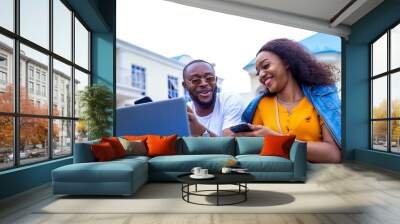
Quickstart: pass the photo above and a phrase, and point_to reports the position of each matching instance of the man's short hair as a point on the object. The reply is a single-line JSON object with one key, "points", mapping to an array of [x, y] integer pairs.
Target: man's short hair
{"points": [[194, 62]]}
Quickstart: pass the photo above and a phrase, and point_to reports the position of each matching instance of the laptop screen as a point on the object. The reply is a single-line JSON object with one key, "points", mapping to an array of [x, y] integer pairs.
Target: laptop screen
{"points": [[166, 117]]}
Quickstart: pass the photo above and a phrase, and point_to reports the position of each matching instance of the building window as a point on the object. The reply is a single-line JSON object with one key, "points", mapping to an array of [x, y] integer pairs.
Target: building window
{"points": [[3, 70], [44, 91], [3, 82], [172, 87], [43, 78], [3, 61], [37, 75], [30, 87], [3, 78], [55, 99], [38, 89], [138, 81], [38, 46], [219, 84], [385, 97], [30, 72], [187, 96]]}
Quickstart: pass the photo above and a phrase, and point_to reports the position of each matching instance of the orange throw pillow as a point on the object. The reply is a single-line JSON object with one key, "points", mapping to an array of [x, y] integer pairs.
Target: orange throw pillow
{"points": [[116, 145], [103, 152], [277, 145], [161, 145], [135, 138]]}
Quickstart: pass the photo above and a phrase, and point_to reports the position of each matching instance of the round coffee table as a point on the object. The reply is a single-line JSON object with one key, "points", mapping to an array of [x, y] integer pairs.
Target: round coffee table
{"points": [[238, 179]]}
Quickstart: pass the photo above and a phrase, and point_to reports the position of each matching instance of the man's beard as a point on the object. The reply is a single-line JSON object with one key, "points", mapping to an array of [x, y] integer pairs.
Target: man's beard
{"points": [[205, 105]]}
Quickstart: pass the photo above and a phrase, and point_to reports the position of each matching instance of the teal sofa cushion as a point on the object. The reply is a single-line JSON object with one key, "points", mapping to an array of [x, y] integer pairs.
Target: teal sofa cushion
{"points": [[249, 145], [185, 163], [83, 152], [111, 171], [257, 163], [128, 159], [206, 145], [118, 177]]}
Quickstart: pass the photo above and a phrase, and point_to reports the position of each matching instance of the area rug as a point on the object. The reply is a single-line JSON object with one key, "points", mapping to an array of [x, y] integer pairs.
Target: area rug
{"points": [[167, 198]]}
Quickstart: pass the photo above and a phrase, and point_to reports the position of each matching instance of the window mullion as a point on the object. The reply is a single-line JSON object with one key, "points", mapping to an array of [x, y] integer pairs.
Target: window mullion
{"points": [[371, 97], [73, 82], [16, 84], [50, 81], [389, 106]]}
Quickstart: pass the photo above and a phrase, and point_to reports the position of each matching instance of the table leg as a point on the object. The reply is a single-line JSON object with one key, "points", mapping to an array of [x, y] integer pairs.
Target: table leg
{"points": [[217, 194], [196, 188], [182, 190], [188, 189], [245, 193]]}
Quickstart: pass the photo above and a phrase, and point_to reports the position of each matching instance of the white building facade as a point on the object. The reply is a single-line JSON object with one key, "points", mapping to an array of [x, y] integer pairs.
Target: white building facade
{"points": [[34, 82], [141, 72]]}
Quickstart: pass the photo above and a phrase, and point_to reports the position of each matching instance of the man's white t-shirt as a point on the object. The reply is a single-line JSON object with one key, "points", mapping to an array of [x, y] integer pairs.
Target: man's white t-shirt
{"points": [[228, 110]]}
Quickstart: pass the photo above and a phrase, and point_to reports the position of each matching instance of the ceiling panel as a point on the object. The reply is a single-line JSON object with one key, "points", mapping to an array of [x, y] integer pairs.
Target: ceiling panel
{"points": [[320, 9], [315, 15]]}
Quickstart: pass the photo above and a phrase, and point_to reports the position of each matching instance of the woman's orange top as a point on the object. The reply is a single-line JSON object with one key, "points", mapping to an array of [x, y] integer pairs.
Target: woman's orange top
{"points": [[303, 121]]}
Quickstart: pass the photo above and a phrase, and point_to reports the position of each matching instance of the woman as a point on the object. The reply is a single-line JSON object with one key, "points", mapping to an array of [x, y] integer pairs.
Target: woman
{"points": [[300, 99]]}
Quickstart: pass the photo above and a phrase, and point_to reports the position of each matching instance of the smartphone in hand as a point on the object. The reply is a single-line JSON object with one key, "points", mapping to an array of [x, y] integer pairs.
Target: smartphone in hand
{"points": [[241, 128]]}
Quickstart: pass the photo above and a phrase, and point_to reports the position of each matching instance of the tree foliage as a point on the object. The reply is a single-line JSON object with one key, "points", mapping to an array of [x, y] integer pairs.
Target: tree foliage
{"points": [[96, 102], [81, 129], [380, 127], [33, 130]]}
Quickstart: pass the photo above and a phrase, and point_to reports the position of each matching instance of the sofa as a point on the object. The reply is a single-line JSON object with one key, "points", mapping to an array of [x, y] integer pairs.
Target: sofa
{"points": [[126, 175]]}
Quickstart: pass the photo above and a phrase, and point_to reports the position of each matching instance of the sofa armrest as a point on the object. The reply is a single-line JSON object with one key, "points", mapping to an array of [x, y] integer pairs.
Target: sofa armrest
{"points": [[298, 155], [83, 153]]}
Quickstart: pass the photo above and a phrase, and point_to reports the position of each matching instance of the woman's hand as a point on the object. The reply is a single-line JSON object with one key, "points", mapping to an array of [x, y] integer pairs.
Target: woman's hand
{"points": [[325, 151], [258, 131]]}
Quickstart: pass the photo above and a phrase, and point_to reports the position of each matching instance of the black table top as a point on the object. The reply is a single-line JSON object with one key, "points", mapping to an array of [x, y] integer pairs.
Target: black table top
{"points": [[220, 178]]}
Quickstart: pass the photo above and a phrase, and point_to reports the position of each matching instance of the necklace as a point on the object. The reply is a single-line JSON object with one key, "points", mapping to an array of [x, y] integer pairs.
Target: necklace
{"points": [[289, 103]]}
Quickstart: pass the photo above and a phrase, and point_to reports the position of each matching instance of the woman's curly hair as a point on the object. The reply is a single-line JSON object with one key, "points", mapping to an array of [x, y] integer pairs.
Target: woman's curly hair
{"points": [[303, 66]]}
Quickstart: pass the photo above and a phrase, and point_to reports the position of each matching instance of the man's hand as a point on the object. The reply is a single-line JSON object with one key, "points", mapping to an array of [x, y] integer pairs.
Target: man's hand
{"points": [[258, 130], [196, 128]]}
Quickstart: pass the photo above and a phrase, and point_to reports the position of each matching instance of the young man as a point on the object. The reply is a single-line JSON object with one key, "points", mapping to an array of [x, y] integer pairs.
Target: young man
{"points": [[210, 113]]}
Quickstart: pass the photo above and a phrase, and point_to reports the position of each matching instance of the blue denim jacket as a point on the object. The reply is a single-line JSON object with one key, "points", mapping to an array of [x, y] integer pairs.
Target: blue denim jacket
{"points": [[324, 99]]}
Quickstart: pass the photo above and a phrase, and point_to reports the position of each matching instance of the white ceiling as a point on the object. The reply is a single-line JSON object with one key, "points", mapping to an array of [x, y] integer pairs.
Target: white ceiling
{"points": [[325, 16], [321, 9]]}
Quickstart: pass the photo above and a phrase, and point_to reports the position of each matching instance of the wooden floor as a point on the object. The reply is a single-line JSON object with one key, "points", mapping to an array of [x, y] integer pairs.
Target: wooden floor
{"points": [[377, 188]]}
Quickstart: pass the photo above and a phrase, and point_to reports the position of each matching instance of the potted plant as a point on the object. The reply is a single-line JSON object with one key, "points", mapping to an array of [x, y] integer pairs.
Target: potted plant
{"points": [[96, 102]]}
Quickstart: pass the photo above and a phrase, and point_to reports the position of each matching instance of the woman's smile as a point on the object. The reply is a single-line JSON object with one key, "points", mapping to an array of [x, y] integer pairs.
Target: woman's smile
{"points": [[268, 80]]}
